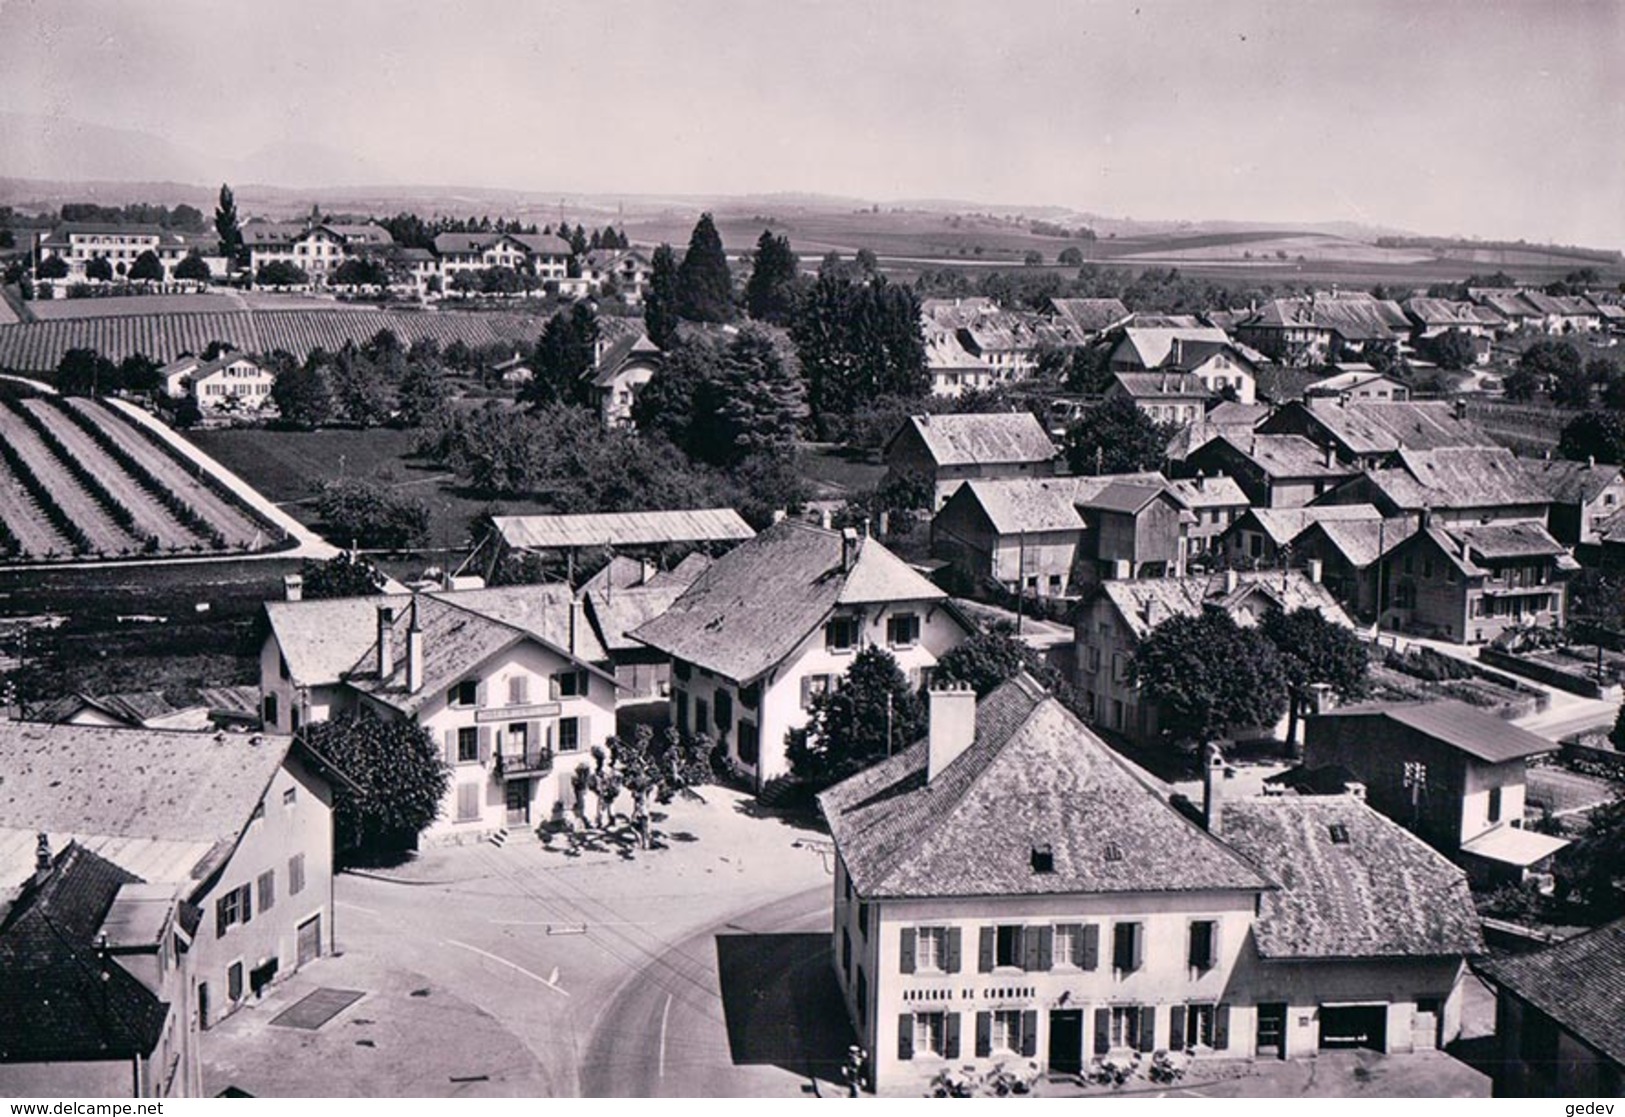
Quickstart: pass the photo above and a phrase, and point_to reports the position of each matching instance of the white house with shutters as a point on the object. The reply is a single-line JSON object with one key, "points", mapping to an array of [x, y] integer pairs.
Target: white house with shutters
{"points": [[1011, 890]]}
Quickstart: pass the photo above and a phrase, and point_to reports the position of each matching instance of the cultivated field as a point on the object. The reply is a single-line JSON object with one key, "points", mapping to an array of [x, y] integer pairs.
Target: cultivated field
{"points": [[78, 480], [39, 346], [217, 301]]}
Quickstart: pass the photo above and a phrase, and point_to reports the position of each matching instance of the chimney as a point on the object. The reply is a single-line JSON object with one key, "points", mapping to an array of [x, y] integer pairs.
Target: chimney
{"points": [[1461, 409], [414, 652], [293, 587], [779, 515], [885, 523], [646, 570], [849, 549], [1201, 481], [1331, 456], [1321, 698], [386, 652], [1425, 519], [42, 858], [1214, 772], [1591, 461], [1121, 571], [1316, 569], [952, 726], [1231, 581], [577, 620], [823, 518]]}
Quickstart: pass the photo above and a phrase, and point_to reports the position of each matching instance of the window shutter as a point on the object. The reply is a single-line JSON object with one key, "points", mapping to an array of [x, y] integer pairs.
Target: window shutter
{"points": [[451, 746], [1091, 947], [533, 736], [248, 902], [1137, 937], [950, 1036], [479, 693], [220, 918], [553, 687], [1029, 1033], [1029, 949], [950, 961], [1148, 1027], [1213, 944], [984, 1034], [908, 950], [806, 692], [1103, 1030], [1221, 1027], [1046, 948], [984, 960], [1176, 1028], [485, 744], [905, 1036]]}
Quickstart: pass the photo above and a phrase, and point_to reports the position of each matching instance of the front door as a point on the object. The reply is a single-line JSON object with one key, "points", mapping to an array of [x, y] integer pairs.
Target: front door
{"points": [[1272, 1030], [310, 940], [518, 793], [1065, 1041]]}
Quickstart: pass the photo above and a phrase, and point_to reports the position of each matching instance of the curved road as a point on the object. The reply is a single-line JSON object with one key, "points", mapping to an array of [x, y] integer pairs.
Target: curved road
{"points": [[658, 1038]]}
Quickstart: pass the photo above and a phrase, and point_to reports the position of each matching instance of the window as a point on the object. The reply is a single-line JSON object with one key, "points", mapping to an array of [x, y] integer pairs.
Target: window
{"points": [[290, 796], [931, 948], [846, 953], [903, 630], [814, 687], [841, 634], [723, 712], [1495, 804], [465, 693], [1067, 950], [749, 743], [1204, 944], [1128, 944], [1126, 1026], [296, 874], [468, 802], [569, 734], [234, 981], [468, 745], [518, 690], [267, 890], [1007, 945], [930, 1033], [679, 698], [570, 684], [236, 906], [270, 710], [863, 917], [863, 991], [1198, 1025], [1007, 1030]]}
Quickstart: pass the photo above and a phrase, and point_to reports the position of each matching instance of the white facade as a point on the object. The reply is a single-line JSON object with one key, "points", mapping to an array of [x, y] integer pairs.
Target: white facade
{"points": [[241, 385]]}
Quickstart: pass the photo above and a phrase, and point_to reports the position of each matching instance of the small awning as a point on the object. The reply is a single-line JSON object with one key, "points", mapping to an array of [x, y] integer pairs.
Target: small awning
{"points": [[1512, 846]]}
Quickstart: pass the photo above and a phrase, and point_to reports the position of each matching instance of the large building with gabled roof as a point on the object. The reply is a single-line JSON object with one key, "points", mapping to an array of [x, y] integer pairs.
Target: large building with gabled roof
{"points": [[944, 451]]}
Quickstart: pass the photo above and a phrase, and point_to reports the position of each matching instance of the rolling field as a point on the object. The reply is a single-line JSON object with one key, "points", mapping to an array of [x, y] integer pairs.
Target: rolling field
{"points": [[39, 346], [210, 302]]}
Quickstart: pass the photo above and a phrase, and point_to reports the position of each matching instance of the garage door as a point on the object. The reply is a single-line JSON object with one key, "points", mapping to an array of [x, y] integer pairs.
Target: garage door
{"points": [[310, 939], [1343, 1026]]}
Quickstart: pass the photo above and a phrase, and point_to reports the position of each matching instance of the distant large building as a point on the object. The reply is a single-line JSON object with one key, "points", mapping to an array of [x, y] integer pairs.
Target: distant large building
{"points": [[77, 243]]}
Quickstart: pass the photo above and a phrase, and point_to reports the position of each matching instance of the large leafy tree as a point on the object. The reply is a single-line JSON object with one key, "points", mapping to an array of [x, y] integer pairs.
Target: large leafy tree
{"points": [[192, 267], [704, 283], [871, 714], [52, 267], [656, 768], [858, 342], [1547, 366], [85, 372], [1116, 437], [360, 391], [280, 273], [303, 396], [367, 514], [770, 294], [761, 399], [1316, 650], [226, 226], [340, 576], [1592, 867], [564, 355], [1209, 676], [1451, 350], [660, 313], [147, 266], [99, 267], [400, 779], [1594, 434], [421, 396], [989, 658]]}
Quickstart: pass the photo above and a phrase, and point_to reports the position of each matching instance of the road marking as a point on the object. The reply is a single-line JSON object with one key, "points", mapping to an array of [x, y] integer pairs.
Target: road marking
{"points": [[665, 1014], [553, 985], [354, 907]]}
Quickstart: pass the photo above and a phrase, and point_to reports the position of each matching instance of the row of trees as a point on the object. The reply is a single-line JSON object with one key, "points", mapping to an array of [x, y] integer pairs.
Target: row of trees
{"points": [[146, 267], [1557, 370]]}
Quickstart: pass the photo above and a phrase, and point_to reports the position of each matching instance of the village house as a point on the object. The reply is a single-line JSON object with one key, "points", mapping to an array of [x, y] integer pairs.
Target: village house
{"points": [[1581, 496], [623, 597], [1134, 527], [1098, 921], [1358, 383], [77, 243], [238, 826], [1507, 305], [1119, 614], [96, 979], [777, 621], [620, 369], [232, 382], [1262, 538], [1470, 582], [1220, 366], [200, 710], [1167, 397], [1143, 347], [1368, 434], [954, 370], [317, 250], [1088, 319], [1560, 1018], [1274, 470], [627, 270], [1215, 503], [1023, 534], [1456, 485], [543, 256], [1347, 549], [1433, 317], [1322, 326], [1234, 419], [1445, 770], [942, 451]]}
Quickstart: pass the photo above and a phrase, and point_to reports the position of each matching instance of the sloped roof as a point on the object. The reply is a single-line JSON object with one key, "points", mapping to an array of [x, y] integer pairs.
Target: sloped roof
{"points": [[1508, 304], [1579, 983], [1362, 542], [1024, 504], [620, 353], [1467, 728], [1347, 381], [1125, 496], [1191, 355], [616, 613], [1519, 539], [1457, 477], [981, 439], [543, 611], [1351, 318], [322, 639], [1034, 776], [1151, 344], [1090, 316], [759, 601], [1442, 313], [1282, 383], [1286, 456], [622, 529], [1145, 603], [1204, 492], [1283, 525], [1566, 482], [1383, 893], [61, 998], [1161, 385], [944, 352], [1372, 426]]}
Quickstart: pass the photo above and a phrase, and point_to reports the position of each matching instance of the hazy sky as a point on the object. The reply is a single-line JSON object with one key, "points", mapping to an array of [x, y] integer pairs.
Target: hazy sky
{"points": [[1486, 117]]}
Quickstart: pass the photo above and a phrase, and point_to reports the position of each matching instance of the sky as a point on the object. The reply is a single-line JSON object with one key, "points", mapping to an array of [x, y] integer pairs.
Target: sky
{"points": [[1495, 118]]}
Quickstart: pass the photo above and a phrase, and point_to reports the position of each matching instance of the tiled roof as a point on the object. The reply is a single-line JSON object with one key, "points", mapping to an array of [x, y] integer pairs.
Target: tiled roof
{"points": [[1479, 735], [1005, 437], [1191, 355], [1347, 381], [945, 352], [263, 234], [622, 529], [1204, 492], [1152, 344], [1366, 427], [619, 354], [1286, 456], [1456, 478], [1579, 983], [1025, 504], [1362, 542], [543, 611], [1442, 313], [758, 602], [1145, 603], [1354, 319], [1161, 385], [1508, 304], [61, 998], [1566, 482], [1124, 496], [1382, 893], [322, 639], [1034, 776], [617, 613], [1283, 525], [1090, 316]]}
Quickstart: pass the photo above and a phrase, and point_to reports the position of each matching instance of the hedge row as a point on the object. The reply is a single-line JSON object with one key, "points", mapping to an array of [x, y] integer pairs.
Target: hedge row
{"points": [[115, 508], [72, 532]]}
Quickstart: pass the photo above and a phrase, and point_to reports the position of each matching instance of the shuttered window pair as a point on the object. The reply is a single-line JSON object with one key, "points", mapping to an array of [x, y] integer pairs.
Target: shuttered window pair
{"points": [[928, 1033], [1128, 947], [236, 906], [469, 744], [1011, 1031], [1012, 946], [930, 950]]}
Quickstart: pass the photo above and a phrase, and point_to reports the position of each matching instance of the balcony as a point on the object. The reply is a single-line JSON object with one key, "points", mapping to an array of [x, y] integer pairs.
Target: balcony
{"points": [[523, 765]]}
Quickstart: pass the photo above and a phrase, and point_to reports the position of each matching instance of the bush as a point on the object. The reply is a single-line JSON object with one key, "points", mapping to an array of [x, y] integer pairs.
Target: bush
{"points": [[366, 514]]}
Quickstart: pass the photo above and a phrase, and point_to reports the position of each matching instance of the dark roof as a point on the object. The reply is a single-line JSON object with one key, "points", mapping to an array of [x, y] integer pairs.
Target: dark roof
{"points": [[1456, 477], [1286, 456], [755, 604], [1458, 725], [620, 353], [1124, 496], [616, 613], [61, 1000], [1034, 776], [1382, 893], [1566, 482], [1369, 426], [1579, 983]]}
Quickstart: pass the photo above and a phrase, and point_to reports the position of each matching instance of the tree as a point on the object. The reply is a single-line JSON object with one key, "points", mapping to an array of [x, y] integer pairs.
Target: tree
{"points": [[1452, 350], [280, 273], [193, 267], [357, 271], [226, 226], [565, 353], [360, 392], [1589, 869], [704, 284], [770, 295], [422, 395], [52, 267], [147, 266], [340, 576], [658, 767], [866, 718], [1552, 366], [1033, 258], [1594, 434], [1315, 650], [1071, 257], [99, 267], [1208, 676], [1116, 437], [858, 342], [139, 373], [367, 514], [868, 264], [400, 778], [660, 313], [762, 400], [303, 396], [85, 372], [989, 658]]}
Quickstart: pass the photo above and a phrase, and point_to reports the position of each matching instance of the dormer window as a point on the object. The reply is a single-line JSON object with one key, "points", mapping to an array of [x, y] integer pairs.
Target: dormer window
{"points": [[1043, 859]]}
